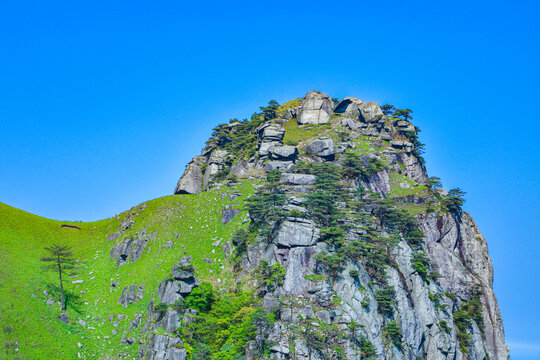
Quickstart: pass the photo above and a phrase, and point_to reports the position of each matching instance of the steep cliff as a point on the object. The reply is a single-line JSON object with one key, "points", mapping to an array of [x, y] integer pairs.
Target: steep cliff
{"points": [[309, 231], [375, 260]]}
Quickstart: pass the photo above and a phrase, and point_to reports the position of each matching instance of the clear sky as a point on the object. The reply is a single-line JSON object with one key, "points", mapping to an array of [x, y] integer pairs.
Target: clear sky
{"points": [[102, 103]]}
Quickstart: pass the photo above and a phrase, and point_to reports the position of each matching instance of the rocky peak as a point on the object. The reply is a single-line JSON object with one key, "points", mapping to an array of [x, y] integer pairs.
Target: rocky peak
{"points": [[315, 108], [360, 250]]}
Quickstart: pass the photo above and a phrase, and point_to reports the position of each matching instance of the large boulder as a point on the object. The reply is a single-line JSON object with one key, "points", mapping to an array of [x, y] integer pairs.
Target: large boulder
{"points": [[130, 249], [191, 180], [269, 135], [323, 147], [297, 179], [370, 112], [349, 106], [282, 166], [297, 232], [283, 152], [315, 108], [179, 284]]}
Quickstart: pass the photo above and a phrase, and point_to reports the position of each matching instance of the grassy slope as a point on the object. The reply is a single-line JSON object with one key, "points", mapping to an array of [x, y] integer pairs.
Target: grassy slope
{"points": [[26, 319]]}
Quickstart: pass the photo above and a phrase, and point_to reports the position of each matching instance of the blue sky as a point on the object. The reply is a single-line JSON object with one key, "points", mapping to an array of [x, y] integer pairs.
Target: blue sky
{"points": [[102, 104]]}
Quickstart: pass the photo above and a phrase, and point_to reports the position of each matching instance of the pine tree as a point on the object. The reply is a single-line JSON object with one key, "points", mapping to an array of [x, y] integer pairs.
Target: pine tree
{"points": [[61, 260]]}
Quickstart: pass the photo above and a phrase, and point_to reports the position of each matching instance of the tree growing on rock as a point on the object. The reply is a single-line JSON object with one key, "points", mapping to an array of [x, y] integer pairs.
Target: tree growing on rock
{"points": [[405, 114], [387, 109], [60, 259]]}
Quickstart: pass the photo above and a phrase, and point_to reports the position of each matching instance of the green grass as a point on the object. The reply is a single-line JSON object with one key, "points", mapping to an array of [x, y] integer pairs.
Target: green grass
{"points": [[288, 105], [294, 134], [27, 320], [398, 192]]}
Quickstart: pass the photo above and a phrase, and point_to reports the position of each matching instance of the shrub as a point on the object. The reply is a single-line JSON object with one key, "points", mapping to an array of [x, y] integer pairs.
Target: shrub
{"points": [[354, 273], [179, 305], [333, 235], [469, 311], [201, 298], [454, 201], [273, 176], [161, 308], [420, 263], [392, 332], [271, 276], [385, 298], [295, 214], [332, 263]]}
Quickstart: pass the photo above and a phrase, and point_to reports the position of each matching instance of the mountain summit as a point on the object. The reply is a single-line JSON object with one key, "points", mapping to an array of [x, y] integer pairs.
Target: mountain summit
{"points": [[309, 231]]}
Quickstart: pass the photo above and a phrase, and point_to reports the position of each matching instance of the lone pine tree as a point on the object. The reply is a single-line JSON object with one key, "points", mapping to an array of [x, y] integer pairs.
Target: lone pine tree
{"points": [[61, 260]]}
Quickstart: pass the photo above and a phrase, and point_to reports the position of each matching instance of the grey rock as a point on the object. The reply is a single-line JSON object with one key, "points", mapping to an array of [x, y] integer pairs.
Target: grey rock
{"points": [[349, 106], [169, 244], [289, 114], [283, 152], [243, 167], [282, 166], [322, 147], [271, 133], [351, 124], [170, 321], [114, 235], [216, 162], [298, 179], [164, 347], [129, 249], [63, 317], [315, 108], [181, 284], [401, 144], [370, 112], [228, 214], [297, 232], [50, 301]]}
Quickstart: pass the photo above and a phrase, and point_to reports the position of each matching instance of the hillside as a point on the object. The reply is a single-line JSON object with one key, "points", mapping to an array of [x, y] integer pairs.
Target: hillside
{"points": [[310, 231]]}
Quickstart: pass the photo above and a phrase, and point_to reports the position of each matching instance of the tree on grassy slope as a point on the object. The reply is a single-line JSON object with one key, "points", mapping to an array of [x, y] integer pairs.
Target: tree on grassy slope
{"points": [[61, 260]]}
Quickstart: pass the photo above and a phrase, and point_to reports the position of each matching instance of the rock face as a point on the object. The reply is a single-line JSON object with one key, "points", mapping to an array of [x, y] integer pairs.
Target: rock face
{"points": [[371, 282], [191, 180], [349, 106], [315, 108], [130, 249], [168, 346], [322, 147], [131, 294], [163, 347], [181, 282]]}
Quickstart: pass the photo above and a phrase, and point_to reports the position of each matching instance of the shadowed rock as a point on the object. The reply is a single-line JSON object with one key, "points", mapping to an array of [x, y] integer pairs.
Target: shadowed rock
{"points": [[191, 180], [322, 147]]}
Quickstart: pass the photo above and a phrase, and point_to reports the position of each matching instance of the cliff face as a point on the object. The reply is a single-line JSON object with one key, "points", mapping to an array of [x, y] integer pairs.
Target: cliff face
{"points": [[351, 247]]}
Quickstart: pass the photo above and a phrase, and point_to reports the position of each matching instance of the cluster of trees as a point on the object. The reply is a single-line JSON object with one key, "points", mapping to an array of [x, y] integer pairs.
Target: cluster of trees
{"points": [[404, 114], [240, 139], [453, 201]]}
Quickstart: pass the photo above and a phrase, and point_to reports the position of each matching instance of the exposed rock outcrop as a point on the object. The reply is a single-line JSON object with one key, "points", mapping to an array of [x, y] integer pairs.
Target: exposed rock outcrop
{"points": [[323, 147], [372, 281], [192, 179], [131, 294], [181, 282], [130, 249], [315, 108]]}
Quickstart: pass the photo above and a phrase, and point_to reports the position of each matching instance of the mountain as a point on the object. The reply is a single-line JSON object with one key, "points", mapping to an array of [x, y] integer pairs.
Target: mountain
{"points": [[310, 231]]}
